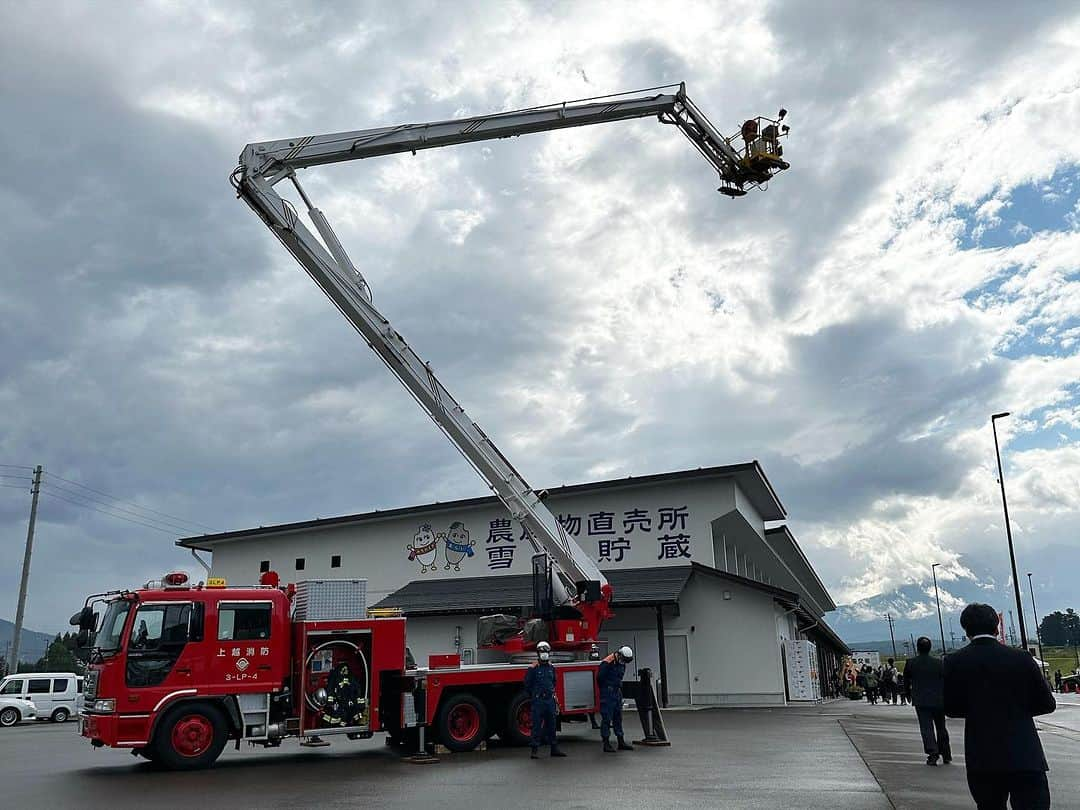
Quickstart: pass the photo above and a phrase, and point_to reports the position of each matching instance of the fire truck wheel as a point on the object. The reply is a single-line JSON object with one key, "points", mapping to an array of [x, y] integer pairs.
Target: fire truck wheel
{"points": [[189, 736], [518, 721], [462, 723]]}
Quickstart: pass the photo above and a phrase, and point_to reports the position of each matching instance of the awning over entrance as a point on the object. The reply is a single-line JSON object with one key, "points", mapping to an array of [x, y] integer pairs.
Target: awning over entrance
{"points": [[634, 587]]}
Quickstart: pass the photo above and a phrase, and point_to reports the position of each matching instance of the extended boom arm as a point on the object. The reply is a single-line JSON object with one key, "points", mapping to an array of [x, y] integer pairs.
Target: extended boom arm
{"points": [[262, 165]]}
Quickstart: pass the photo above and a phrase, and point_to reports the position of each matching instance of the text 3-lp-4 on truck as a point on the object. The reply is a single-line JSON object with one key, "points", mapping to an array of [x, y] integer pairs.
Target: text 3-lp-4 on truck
{"points": [[177, 670]]}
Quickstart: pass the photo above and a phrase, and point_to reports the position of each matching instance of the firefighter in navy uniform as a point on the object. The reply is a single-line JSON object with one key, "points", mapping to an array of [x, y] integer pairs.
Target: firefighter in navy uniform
{"points": [[540, 686], [609, 679]]}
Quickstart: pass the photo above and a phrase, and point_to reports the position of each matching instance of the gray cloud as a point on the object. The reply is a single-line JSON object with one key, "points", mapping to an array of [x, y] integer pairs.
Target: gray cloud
{"points": [[587, 296]]}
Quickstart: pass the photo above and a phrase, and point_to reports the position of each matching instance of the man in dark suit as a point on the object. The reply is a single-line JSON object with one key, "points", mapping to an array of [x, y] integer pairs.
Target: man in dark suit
{"points": [[997, 690], [924, 683]]}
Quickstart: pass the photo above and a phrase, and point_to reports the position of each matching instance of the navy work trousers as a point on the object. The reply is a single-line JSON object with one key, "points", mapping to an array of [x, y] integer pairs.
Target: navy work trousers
{"points": [[543, 723], [611, 716]]}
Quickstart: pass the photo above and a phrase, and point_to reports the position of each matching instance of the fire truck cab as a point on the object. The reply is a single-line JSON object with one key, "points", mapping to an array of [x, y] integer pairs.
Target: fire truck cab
{"points": [[176, 671]]}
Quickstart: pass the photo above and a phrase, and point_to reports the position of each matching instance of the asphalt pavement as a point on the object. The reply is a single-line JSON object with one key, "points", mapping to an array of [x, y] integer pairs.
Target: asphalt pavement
{"points": [[835, 756]]}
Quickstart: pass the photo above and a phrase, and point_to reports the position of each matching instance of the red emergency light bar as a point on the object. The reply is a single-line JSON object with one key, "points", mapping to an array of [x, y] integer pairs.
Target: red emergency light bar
{"points": [[175, 579]]}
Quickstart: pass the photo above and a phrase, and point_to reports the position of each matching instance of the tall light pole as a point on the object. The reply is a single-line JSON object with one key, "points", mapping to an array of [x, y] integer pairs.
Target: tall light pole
{"points": [[937, 598], [1008, 531], [1035, 613]]}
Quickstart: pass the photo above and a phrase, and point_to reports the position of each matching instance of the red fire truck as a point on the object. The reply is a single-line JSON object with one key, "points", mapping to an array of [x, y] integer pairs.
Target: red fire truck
{"points": [[178, 670]]}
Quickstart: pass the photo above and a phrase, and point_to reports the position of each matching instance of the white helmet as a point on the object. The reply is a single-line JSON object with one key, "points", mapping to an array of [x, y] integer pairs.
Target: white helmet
{"points": [[626, 655], [543, 646]]}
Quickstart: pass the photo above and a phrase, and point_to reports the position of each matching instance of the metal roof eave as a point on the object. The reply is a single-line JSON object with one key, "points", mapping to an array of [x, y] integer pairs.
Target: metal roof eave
{"points": [[823, 597], [748, 475]]}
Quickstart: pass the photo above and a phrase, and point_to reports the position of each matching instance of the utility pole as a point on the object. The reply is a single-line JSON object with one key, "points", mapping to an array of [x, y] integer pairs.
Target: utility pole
{"points": [[1008, 532], [1012, 629], [889, 619], [952, 635], [13, 665]]}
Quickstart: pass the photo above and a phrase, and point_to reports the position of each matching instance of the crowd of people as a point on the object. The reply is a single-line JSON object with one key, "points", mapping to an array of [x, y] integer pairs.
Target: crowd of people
{"points": [[884, 683]]}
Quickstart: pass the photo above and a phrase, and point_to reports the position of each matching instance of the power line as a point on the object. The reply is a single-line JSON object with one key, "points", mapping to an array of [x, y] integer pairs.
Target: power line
{"points": [[128, 503], [17, 486], [17, 467], [118, 517], [176, 525]]}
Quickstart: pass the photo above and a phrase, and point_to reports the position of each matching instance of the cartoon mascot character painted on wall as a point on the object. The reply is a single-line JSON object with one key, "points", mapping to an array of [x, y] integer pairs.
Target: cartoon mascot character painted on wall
{"points": [[458, 545], [424, 548]]}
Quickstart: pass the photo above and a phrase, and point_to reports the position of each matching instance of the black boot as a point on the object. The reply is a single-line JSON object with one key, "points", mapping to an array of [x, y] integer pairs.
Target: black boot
{"points": [[608, 747], [557, 752], [624, 745], [533, 754]]}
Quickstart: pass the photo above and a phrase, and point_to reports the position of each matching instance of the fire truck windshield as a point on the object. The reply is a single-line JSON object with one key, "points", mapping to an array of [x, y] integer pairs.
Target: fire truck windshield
{"points": [[112, 625]]}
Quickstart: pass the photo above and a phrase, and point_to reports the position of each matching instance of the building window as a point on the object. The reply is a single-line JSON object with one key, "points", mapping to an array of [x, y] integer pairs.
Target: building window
{"points": [[264, 566], [299, 563], [335, 561]]}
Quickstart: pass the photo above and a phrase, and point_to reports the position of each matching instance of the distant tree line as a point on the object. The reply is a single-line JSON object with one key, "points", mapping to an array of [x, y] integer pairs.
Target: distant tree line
{"points": [[59, 657], [1059, 629]]}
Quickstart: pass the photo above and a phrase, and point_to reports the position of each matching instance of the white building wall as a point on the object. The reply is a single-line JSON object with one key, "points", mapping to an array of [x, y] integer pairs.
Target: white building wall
{"points": [[732, 645], [636, 526]]}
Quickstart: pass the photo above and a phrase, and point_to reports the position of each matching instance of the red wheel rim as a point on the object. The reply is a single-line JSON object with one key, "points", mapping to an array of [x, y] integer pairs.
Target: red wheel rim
{"points": [[192, 735], [524, 719], [464, 722]]}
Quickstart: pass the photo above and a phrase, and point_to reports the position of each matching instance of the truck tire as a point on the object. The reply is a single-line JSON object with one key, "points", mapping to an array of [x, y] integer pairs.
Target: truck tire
{"points": [[462, 722], [518, 721], [9, 717], [189, 736]]}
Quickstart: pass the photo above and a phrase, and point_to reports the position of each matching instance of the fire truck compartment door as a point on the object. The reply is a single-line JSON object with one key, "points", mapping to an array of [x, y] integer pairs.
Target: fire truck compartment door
{"points": [[579, 690]]}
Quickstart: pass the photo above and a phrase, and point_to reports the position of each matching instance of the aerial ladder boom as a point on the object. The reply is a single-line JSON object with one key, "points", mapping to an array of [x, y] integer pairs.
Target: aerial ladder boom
{"points": [[578, 582]]}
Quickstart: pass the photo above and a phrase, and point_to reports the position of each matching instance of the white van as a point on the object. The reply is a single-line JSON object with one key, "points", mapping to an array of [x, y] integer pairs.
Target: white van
{"points": [[57, 695]]}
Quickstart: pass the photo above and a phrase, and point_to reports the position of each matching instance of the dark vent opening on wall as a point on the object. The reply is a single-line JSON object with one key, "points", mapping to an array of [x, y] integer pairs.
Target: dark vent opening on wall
{"points": [[335, 561], [264, 566], [299, 563]]}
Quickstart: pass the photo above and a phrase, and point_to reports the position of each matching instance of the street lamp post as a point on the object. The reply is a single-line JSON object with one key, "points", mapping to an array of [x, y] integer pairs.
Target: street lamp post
{"points": [[1035, 612], [1008, 531], [937, 598]]}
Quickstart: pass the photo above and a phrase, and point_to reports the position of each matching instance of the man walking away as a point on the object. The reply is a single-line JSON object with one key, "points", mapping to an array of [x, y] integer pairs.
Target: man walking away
{"points": [[997, 690], [924, 682], [888, 682], [1057, 681], [540, 687], [901, 688], [609, 679], [871, 686]]}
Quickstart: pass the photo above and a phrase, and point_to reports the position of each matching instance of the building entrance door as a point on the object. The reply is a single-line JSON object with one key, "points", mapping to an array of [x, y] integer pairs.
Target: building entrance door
{"points": [[678, 670]]}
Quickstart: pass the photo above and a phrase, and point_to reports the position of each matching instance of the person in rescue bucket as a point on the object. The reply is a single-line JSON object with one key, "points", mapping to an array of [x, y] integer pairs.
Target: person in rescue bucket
{"points": [[540, 687], [609, 679], [458, 545]]}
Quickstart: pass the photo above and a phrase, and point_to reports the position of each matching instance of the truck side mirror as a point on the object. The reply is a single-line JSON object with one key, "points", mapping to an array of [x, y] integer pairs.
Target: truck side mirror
{"points": [[87, 620]]}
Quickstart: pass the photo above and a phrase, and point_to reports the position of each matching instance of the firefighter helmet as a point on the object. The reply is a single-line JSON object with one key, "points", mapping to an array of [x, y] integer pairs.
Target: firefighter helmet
{"points": [[626, 655]]}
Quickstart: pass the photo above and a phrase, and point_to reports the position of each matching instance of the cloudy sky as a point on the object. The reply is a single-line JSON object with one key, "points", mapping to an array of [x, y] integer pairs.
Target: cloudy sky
{"points": [[588, 296]]}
